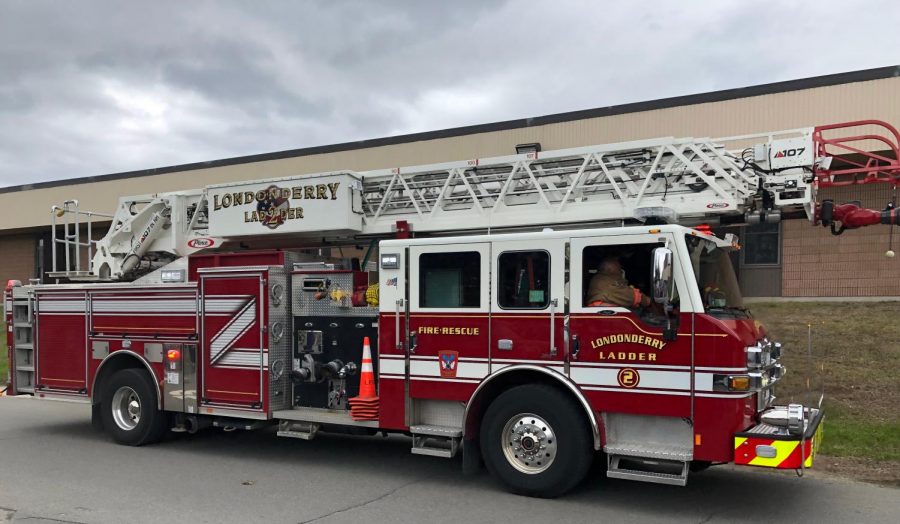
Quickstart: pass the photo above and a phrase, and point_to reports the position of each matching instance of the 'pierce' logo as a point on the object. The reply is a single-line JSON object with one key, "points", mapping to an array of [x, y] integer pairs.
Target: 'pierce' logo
{"points": [[201, 243]]}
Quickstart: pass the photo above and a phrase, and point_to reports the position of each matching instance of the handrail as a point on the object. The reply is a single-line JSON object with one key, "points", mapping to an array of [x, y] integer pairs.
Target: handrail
{"points": [[873, 167]]}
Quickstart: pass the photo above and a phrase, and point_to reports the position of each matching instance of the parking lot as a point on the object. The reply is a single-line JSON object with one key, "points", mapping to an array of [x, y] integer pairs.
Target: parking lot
{"points": [[55, 468]]}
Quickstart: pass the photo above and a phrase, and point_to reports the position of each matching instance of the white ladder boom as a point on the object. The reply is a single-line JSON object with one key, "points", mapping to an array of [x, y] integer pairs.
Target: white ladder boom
{"points": [[686, 180], [679, 180]]}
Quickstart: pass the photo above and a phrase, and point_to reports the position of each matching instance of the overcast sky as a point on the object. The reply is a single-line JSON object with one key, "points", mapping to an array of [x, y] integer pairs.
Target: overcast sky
{"points": [[91, 87]]}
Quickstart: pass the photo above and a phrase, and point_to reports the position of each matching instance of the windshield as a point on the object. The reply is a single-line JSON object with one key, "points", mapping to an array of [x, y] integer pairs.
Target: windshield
{"points": [[715, 278]]}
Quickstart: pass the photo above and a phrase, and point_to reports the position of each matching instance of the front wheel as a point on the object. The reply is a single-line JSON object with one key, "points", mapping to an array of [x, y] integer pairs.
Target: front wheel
{"points": [[536, 440], [129, 411]]}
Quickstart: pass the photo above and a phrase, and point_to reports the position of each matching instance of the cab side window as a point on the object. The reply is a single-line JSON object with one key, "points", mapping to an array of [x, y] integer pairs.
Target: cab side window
{"points": [[617, 288], [523, 281], [450, 280]]}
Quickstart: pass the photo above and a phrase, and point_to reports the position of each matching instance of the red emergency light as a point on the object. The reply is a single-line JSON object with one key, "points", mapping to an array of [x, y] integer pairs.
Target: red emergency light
{"points": [[704, 228]]}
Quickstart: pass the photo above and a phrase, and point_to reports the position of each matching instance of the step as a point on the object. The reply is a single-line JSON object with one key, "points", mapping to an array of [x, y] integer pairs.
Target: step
{"points": [[437, 431], [433, 452], [650, 450], [614, 470], [648, 476], [301, 430], [25, 367], [435, 441]]}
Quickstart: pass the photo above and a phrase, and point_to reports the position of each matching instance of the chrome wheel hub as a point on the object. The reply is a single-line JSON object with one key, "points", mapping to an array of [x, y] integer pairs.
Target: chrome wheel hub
{"points": [[529, 443], [126, 408]]}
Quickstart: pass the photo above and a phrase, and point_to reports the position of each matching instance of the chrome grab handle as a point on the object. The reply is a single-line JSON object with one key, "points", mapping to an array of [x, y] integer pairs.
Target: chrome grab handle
{"points": [[553, 304], [397, 344]]}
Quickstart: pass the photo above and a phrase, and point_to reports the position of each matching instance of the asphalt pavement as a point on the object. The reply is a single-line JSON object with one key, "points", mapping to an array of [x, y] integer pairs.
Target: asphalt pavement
{"points": [[55, 468]]}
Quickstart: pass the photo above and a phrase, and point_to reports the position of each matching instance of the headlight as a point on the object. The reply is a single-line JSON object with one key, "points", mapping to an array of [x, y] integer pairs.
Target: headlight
{"points": [[763, 354], [755, 357]]}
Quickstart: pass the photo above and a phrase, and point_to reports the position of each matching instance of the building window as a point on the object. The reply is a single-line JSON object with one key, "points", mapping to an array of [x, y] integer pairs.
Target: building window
{"points": [[524, 280], [762, 245], [450, 280]]}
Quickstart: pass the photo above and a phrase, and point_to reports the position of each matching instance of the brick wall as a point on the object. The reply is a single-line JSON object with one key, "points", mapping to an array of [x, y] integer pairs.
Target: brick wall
{"points": [[16, 258], [818, 264]]}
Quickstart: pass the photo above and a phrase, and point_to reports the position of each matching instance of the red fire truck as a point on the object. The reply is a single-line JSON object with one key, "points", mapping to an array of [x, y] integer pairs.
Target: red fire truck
{"points": [[473, 297]]}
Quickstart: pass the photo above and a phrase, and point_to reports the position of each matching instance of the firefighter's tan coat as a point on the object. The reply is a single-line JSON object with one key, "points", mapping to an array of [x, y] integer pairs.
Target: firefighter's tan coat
{"points": [[612, 289]]}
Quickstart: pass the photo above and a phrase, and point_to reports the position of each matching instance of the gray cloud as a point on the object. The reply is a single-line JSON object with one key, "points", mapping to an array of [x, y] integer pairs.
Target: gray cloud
{"points": [[88, 88]]}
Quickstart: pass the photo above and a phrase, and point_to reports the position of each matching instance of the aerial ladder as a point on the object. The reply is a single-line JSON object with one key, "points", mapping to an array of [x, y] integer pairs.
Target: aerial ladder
{"points": [[748, 179]]}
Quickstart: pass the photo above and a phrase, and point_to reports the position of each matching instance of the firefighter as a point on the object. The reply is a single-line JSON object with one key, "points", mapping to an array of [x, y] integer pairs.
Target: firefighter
{"points": [[609, 287]]}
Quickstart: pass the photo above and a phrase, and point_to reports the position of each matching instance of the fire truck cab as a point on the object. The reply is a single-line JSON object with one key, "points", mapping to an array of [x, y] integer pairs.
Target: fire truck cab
{"points": [[503, 325]]}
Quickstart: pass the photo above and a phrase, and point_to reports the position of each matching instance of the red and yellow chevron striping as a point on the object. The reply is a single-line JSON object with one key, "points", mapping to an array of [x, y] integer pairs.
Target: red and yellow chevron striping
{"points": [[787, 452]]}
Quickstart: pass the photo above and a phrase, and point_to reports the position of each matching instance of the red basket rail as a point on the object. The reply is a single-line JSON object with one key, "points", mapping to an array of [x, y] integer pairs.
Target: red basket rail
{"points": [[865, 167]]}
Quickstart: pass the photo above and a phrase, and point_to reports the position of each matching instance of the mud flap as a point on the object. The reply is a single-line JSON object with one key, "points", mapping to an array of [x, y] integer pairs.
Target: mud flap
{"points": [[96, 420], [471, 461]]}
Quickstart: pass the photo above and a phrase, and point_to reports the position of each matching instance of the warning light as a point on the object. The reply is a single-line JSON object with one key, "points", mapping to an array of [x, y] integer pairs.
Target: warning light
{"points": [[704, 228], [173, 354], [12, 283]]}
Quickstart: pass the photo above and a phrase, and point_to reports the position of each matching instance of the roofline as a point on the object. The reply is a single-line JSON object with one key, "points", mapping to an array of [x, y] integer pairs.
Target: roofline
{"points": [[549, 232], [635, 107]]}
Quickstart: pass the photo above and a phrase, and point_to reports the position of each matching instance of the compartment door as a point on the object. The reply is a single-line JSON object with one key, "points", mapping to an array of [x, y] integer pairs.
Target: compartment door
{"points": [[233, 342], [61, 342]]}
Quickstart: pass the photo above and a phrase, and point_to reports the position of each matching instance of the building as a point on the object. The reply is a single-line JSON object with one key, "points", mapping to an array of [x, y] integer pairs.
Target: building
{"points": [[791, 259]]}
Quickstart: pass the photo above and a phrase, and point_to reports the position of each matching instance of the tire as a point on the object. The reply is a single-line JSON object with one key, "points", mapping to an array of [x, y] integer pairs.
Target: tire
{"points": [[551, 450], [128, 409]]}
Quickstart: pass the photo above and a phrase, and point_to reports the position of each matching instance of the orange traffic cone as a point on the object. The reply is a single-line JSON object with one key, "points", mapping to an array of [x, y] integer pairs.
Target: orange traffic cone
{"points": [[365, 406]]}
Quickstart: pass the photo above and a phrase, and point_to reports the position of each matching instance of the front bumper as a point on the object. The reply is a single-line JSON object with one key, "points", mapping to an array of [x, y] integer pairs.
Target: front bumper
{"points": [[774, 447]]}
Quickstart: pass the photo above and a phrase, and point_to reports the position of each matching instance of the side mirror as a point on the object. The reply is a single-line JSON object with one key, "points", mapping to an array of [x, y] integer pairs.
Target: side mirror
{"points": [[663, 287], [662, 281]]}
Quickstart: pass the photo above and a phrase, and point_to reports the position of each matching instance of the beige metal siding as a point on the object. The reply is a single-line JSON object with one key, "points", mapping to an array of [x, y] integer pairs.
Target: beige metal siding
{"points": [[17, 258], [870, 99]]}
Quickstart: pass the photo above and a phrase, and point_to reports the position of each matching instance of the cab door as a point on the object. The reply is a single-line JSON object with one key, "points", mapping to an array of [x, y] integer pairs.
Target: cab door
{"points": [[449, 309], [528, 303], [619, 355]]}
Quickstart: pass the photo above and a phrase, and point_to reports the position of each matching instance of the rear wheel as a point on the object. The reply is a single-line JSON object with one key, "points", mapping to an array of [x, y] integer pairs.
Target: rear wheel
{"points": [[129, 409], [535, 439]]}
